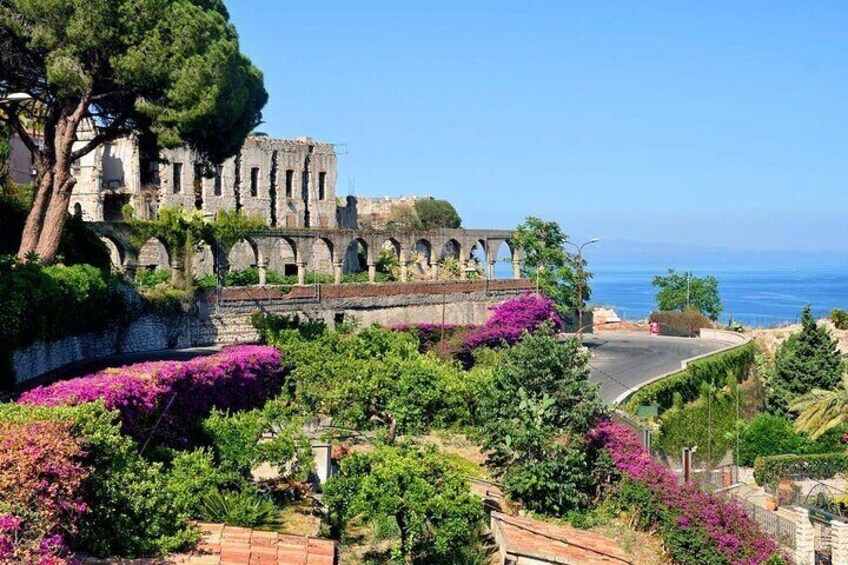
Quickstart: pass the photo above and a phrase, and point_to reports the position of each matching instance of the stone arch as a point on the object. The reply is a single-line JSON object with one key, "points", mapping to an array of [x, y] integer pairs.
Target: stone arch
{"points": [[477, 256], [500, 256], [421, 259], [357, 256], [283, 256], [321, 259], [243, 255], [117, 254], [154, 256]]}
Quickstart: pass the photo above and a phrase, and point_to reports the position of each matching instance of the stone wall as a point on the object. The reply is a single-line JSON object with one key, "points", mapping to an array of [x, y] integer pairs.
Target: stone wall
{"points": [[228, 320], [148, 333]]}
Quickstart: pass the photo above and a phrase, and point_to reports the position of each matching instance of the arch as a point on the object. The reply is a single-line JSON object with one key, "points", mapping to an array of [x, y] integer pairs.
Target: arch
{"points": [[321, 258], [355, 258], [478, 257], [501, 253], [117, 255], [243, 255], [421, 259], [388, 259], [451, 248], [154, 256], [283, 256]]}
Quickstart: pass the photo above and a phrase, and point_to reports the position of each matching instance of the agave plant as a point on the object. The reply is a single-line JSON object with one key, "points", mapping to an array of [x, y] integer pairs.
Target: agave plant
{"points": [[246, 507]]}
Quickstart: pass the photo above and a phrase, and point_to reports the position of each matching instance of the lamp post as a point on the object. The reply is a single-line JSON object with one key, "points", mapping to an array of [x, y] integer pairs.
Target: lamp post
{"points": [[579, 249], [15, 97]]}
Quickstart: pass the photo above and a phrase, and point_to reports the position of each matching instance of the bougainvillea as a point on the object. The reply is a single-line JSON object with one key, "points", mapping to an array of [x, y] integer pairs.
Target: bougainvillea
{"points": [[41, 478], [173, 396], [725, 524], [511, 319]]}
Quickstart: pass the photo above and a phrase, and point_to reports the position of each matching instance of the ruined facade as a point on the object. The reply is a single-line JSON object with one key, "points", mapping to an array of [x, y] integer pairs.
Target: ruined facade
{"points": [[287, 183]]}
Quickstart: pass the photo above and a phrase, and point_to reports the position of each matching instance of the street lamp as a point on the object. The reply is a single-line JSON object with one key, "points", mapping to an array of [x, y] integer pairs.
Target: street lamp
{"points": [[579, 249], [15, 97]]}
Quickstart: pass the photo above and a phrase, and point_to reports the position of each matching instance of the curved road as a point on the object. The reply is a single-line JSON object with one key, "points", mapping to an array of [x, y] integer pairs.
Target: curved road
{"points": [[623, 360]]}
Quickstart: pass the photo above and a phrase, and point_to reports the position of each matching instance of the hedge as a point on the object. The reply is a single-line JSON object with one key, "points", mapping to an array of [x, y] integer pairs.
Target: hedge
{"points": [[682, 324], [713, 370], [770, 470]]}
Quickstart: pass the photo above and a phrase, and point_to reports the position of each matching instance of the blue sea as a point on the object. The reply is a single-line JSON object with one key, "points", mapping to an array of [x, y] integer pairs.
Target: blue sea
{"points": [[760, 297]]}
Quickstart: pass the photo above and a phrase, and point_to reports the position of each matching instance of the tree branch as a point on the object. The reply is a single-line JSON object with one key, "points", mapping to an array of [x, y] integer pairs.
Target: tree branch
{"points": [[103, 137], [22, 133]]}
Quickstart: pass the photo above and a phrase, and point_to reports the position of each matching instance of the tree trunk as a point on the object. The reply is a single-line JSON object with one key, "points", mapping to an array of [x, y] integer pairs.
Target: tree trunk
{"points": [[45, 222]]}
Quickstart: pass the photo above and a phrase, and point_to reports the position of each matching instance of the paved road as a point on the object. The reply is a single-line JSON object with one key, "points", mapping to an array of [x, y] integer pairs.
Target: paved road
{"points": [[623, 360]]}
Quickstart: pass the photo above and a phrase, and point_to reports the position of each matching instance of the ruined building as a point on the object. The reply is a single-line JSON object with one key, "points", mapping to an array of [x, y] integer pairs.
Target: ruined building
{"points": [[288, 183]]}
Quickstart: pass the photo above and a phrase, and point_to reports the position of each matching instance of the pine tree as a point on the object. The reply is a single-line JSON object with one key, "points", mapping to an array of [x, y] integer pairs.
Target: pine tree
{"points": [[808, 360]]}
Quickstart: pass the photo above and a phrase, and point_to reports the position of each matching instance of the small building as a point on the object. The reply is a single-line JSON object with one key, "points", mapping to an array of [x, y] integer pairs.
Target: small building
{"points": [[523, 541]]}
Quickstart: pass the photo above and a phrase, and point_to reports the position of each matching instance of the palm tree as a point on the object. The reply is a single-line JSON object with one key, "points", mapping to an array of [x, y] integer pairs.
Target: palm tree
{"points": [[821, 410]]}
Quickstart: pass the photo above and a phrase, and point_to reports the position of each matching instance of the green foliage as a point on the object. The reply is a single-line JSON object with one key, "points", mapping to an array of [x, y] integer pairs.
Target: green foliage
{"points": [[429, 499], [687, 323], [806, 361], [192, 477], [147, 279], [375, 377], [80, 246], [434, 214], [238, 444], [45, 303], [246, 508], [180, 231], [713, 370], [134, 507], [12, 218], [681, 291], [544, 257], [821, 411], [839, 317], [709, 423], [269, 325], [768, 435], [229, 227], [171, 67], [820, 467], [389, 264], [541, 407]]}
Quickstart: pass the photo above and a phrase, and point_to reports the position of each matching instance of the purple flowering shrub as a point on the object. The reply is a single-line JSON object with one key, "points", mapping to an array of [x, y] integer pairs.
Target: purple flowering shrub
{"points": [[182, 393], [724, 526], [508, 322], [41, 483]]}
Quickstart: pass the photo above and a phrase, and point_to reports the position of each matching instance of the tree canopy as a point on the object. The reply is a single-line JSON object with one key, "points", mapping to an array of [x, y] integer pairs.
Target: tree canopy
{"points": [[681, 291], [435, 214], [111, 67], [807, 360], [544, 257]]}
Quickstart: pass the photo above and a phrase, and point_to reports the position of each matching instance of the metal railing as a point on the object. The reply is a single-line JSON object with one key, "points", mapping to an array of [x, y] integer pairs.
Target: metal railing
{"points": [[780, 529]]}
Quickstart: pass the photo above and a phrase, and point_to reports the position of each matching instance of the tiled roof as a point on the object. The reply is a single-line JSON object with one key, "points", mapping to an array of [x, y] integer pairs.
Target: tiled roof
{"points": [[552, 543], [229, 545]]}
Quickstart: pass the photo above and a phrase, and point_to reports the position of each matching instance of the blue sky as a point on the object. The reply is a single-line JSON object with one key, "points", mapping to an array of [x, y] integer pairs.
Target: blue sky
{"points": [[703, 124]]}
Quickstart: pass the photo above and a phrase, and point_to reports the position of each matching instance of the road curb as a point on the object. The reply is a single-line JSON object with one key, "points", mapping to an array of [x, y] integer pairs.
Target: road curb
{"points": [[621, 398]]}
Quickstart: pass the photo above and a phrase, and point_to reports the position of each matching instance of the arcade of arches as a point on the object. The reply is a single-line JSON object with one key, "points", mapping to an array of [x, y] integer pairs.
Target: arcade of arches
{"points": [[436, 255]]}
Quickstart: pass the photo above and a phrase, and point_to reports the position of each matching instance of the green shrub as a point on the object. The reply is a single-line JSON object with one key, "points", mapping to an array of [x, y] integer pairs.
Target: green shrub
{"points": [[192, 477], [268, 325], [770, 470], [839, 317], [708, 422], [768, 435], [713, 370], [145, 278], [687, 323], [133, 507], [246, 508], [428, 498]]}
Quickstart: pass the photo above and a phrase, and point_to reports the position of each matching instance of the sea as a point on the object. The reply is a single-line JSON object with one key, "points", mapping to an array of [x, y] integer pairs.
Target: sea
{"points": [[756, 294]]}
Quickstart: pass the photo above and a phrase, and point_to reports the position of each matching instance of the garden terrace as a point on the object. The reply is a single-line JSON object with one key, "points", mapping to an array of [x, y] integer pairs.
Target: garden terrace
{"points": [[333, 252]]}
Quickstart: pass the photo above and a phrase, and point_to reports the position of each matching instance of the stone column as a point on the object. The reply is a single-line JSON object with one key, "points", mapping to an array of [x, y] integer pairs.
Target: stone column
{"points": [[463, 272], [263, 273], [337, 272], [838, 541], [434, 268], [404, 271], [176, 272], [491, 270], [372, 273], [516, 270], [130, 270], [301, 273], [805, 546]]}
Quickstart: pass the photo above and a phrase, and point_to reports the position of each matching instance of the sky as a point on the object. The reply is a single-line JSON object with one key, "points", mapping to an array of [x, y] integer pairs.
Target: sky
{"points": [[666, 125]]}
